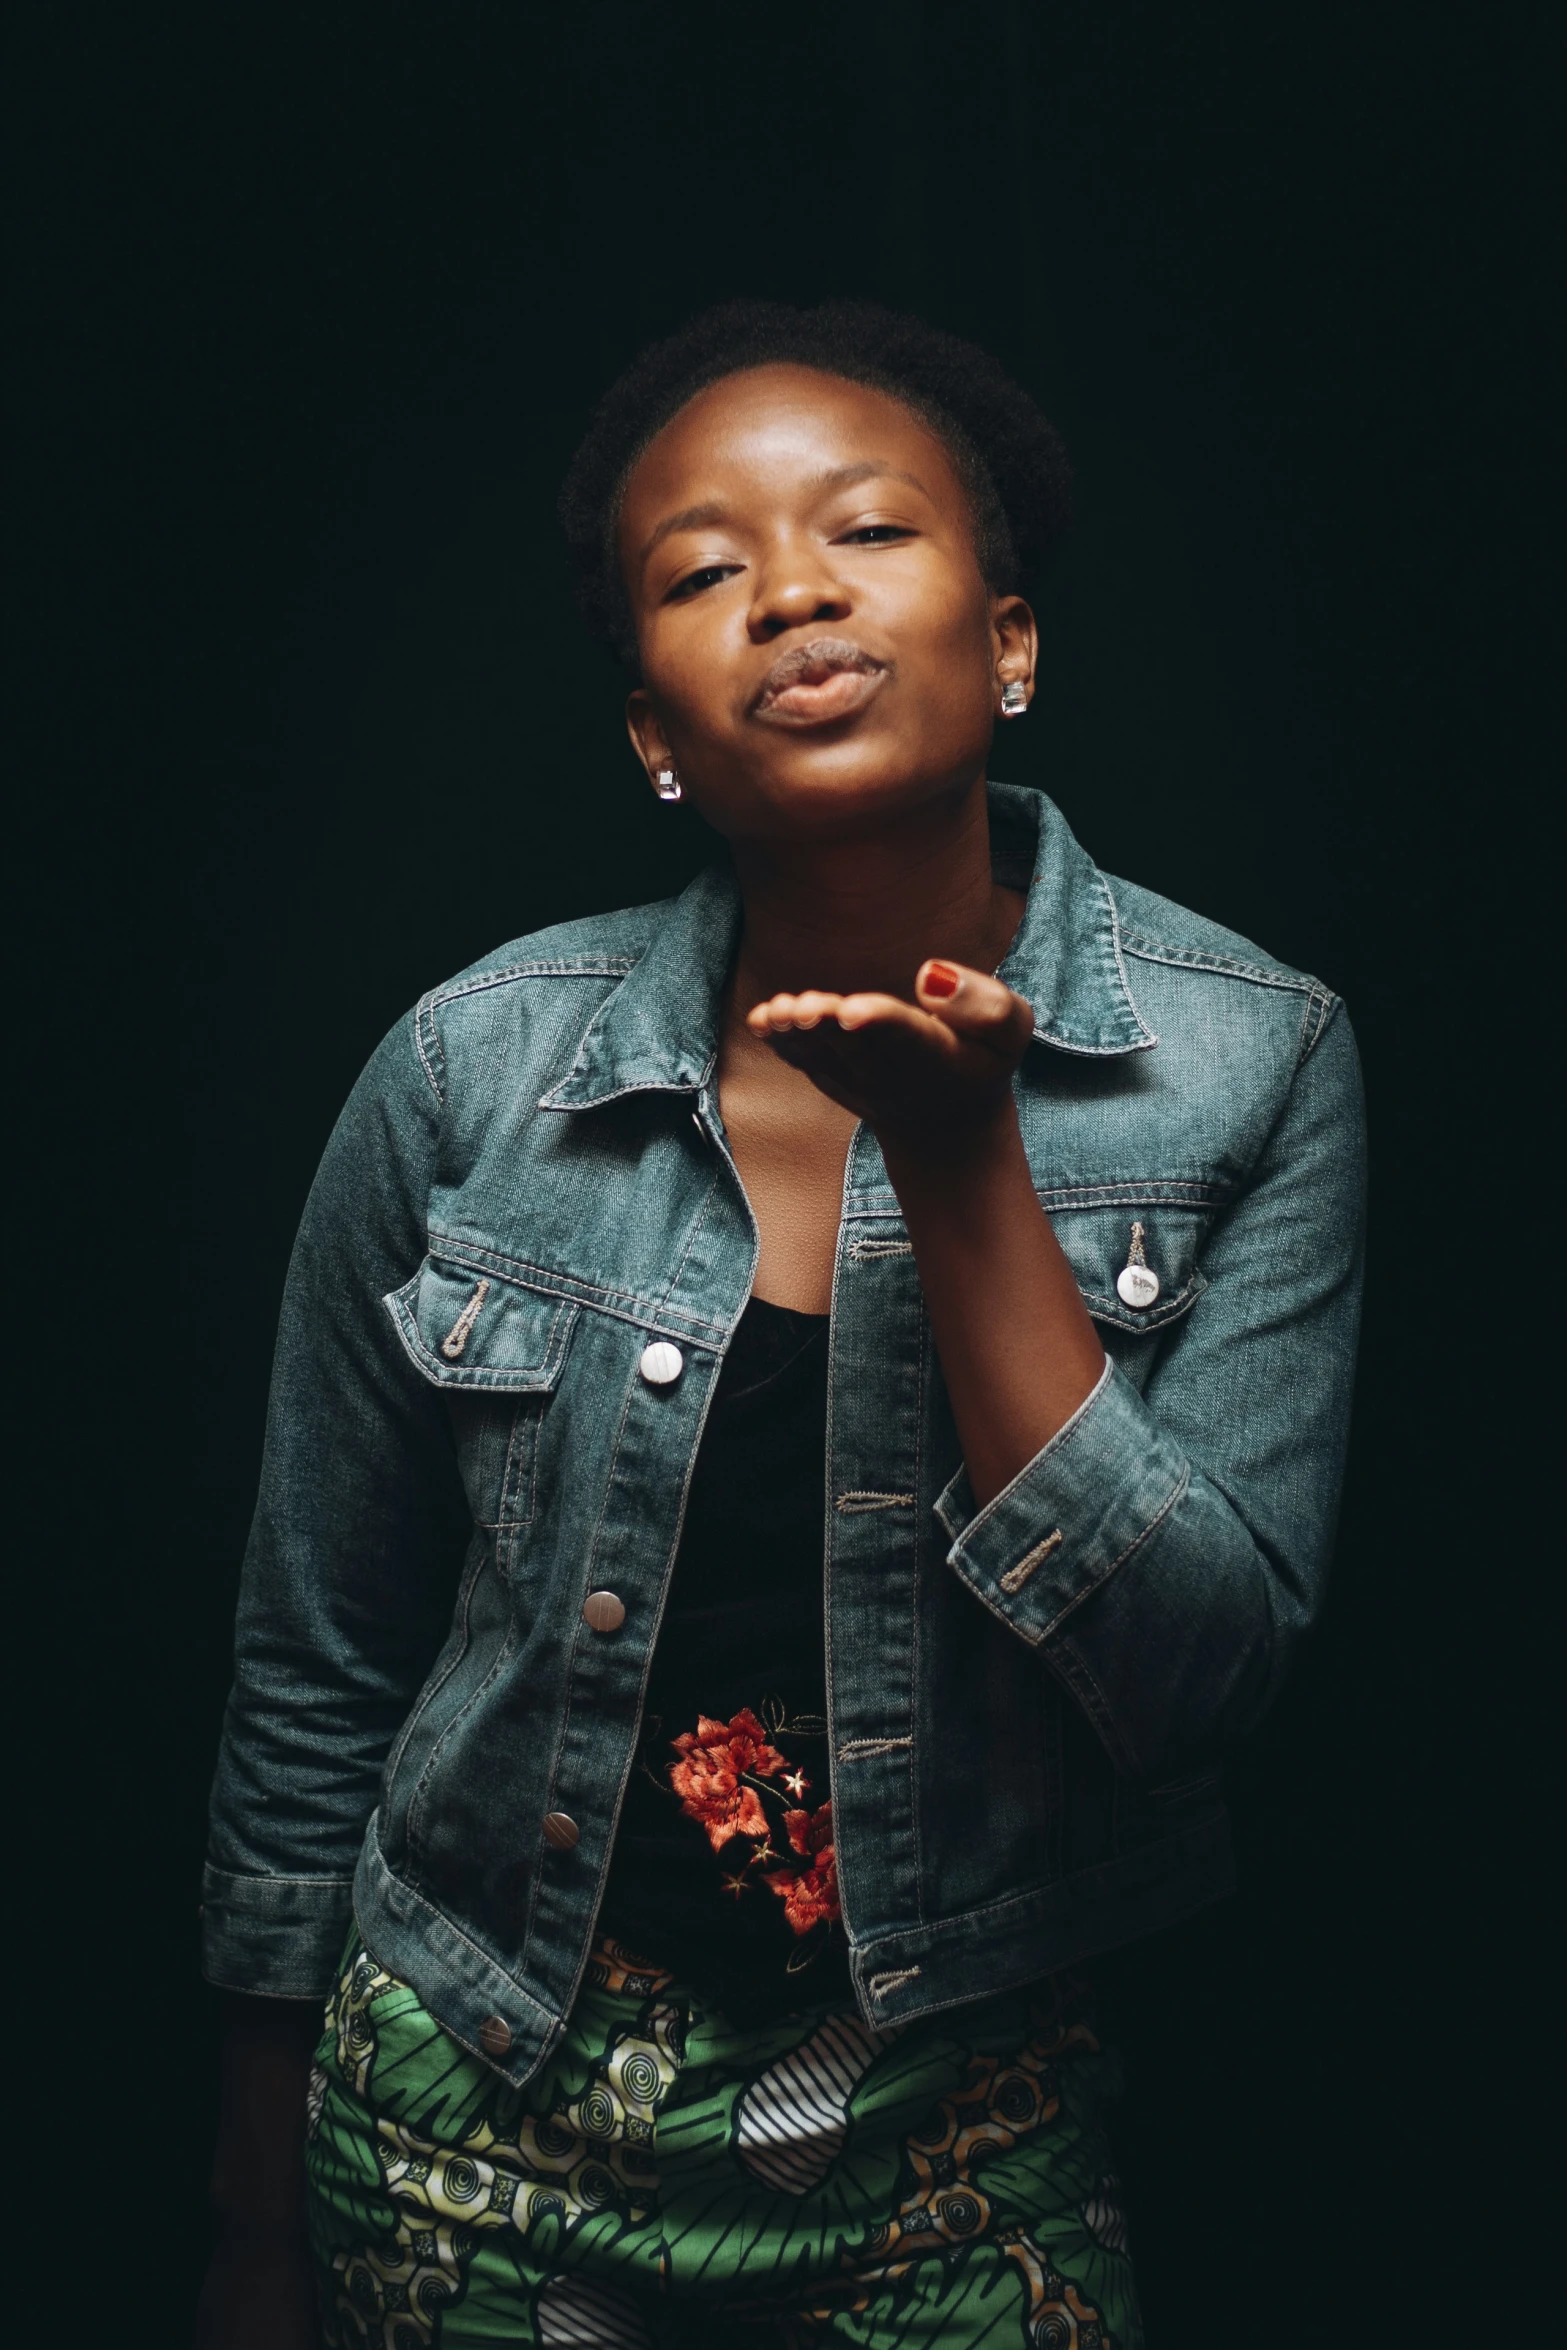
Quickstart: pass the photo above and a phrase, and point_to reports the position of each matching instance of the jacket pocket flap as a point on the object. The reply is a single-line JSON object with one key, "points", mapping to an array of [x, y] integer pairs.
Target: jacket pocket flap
{"points": [[469, 1329], [1101, 1244]]}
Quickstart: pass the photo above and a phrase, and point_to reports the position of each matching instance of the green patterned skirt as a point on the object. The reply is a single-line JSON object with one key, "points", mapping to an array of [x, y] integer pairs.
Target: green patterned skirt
{"points": [[666, 2179]]}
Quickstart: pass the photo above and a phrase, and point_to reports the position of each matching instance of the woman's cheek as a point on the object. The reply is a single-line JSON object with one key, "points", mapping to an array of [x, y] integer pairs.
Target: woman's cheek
{"points": [[682, 682]]}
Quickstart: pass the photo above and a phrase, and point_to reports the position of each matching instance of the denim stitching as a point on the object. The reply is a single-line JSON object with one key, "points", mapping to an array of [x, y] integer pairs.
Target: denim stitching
{"points": [[1176, 1494], [595, 967], [420, 1797], [986, 1914], [486, 1379], [1055, 1450], [840, 1258], [448, 1924], [880, 1985], [852, 1504], [1145, 1039], [522, 1448], [426, 1010], [673, 1283], [1080, 1681], [647, 1659], [1120, 965], [1323, 1002], [914, 1640], [858, 1748], [464, 1609], [1151, 950], [1173, 1191], [616, 1093], [571, 1288], [1154, 1317], [1015, 1577], [565, 1725], [268, 1877], [426, 1699], [585, 967], [456, 1339]]}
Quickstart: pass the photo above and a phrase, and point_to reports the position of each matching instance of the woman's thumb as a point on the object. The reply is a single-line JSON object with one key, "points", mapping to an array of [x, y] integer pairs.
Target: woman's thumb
{"points": [[973, 1003]]}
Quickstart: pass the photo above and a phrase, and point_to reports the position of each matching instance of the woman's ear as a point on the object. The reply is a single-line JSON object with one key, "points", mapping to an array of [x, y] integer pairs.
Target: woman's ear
{"points": [[651, 745], [648, 738], [1016, 642]]}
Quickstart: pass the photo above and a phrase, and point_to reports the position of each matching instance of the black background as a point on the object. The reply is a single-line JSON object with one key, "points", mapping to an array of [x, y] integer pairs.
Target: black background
{"points": [[309, 314]]}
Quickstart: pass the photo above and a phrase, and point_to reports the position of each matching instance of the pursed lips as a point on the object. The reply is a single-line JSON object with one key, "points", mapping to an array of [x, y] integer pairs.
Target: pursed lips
{"points": [[815, 683]]}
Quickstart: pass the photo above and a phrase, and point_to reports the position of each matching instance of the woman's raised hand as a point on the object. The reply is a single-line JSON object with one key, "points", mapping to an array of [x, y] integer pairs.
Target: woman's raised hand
{"points": [[931, 1074]]}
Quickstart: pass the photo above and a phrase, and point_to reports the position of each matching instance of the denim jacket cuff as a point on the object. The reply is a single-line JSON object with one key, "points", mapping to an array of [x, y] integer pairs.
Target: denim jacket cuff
{"points": [[281, 1937], [1082, 1505]]}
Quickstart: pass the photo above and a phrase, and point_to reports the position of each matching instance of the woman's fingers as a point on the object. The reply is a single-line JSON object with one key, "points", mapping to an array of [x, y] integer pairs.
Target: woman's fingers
{"points": [[956, 1006], [974, 1004], [891, 1061], [877, 1011], [781, 1014]]}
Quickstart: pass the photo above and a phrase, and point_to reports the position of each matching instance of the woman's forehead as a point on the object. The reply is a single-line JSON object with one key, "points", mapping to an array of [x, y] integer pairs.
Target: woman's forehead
{"points": [[783, 422]]}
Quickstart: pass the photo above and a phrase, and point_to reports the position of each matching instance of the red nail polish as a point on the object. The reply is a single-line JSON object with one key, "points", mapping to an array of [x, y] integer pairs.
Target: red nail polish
{"points": [[941, 979]]}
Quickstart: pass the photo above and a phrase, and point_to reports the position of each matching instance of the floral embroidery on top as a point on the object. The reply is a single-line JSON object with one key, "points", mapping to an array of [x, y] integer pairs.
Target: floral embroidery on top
{"points": [[724, 1771], [810, 1895], [715, 1758]]}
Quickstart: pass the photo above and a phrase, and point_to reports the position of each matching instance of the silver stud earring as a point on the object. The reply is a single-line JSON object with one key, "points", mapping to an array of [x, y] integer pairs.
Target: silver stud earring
{"points": [[1014, 698], [667, 783]]}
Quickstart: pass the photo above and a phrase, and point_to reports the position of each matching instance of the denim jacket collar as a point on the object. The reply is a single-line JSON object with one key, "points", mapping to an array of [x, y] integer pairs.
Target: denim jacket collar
{"points": [[659, 1027]]}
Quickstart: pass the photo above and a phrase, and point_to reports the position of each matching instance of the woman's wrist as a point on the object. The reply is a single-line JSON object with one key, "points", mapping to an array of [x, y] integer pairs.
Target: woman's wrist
{"points": [[948, 1163]]}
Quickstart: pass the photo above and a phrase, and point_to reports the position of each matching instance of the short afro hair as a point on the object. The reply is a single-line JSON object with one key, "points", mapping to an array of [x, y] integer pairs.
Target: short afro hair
{"points": [[1009, 457]]}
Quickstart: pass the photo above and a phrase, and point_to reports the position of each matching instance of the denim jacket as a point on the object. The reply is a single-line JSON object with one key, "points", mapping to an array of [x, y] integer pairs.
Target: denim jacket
{"points": [[468, 1433]]}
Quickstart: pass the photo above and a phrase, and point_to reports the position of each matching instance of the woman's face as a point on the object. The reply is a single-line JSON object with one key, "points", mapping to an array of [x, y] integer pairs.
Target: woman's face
{"points": [[819, 648]]}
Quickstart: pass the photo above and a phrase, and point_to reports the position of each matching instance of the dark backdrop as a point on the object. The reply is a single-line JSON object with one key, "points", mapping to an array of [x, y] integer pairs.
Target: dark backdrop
{"points": [[309, 314]]}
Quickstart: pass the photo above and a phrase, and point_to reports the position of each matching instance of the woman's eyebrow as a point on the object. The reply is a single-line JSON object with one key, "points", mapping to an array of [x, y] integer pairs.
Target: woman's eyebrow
{"points": [[843, 477], [689, 518], [840, 477]]}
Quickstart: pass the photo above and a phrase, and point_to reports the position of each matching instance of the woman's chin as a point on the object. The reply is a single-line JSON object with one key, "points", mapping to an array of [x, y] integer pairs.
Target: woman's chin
{"points": [[825, 789]]}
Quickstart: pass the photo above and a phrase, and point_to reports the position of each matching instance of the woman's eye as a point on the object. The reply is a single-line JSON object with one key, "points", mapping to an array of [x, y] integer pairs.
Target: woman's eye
{"points": [[695, 581]]}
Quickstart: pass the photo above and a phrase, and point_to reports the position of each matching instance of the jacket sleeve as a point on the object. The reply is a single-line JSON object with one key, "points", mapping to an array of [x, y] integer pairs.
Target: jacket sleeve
{"points": [[1165, 1550], [353, 1555]]}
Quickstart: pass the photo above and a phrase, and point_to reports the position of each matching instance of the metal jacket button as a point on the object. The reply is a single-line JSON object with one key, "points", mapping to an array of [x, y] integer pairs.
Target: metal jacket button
{"points": [[495, 2035], [603, 1611], [661, 1363], [561, 1830]]}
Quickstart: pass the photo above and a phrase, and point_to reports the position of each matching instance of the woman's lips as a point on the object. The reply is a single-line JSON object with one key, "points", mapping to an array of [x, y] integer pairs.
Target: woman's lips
{"points": [[814, 684], [844, 691]]}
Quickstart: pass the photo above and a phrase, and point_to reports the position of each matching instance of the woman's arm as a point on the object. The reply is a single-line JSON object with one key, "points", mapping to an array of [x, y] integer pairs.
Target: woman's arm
{"points": [[1018, 1351], [1162, 1551], [354, 1554], [344, 1599], [1166, 1551]]}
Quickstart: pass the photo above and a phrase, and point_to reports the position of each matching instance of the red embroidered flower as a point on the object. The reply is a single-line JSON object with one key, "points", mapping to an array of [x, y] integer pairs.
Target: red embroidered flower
{"points": [[715, 1759], [809, 1895]]}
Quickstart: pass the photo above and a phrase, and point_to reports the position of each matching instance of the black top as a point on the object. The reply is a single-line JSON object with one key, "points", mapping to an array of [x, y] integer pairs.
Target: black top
{"points": [[723, 1869]]}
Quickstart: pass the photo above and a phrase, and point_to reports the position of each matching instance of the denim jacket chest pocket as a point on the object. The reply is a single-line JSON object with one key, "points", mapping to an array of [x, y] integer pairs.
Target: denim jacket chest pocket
{"points": [[495, 1350], [1104, 1240]]}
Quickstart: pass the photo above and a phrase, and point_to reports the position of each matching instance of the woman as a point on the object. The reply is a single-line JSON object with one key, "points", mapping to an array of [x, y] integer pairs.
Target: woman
{"points": [[906, 1195]]}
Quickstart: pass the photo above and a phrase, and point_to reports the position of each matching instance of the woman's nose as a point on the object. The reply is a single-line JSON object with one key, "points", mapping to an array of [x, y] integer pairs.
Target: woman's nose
{"points": [[792, 590]]}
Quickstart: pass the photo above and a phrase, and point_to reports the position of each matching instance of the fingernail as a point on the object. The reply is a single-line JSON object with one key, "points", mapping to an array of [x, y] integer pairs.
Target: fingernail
{"points": [[941, 979]]}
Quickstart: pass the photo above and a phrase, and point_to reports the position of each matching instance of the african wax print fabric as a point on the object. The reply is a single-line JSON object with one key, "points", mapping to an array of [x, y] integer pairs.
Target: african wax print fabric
{"points": [[670, 2179]]}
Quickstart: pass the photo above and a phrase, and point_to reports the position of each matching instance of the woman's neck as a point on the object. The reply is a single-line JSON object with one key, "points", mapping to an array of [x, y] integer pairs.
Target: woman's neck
{"points": [[865, 912]]}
